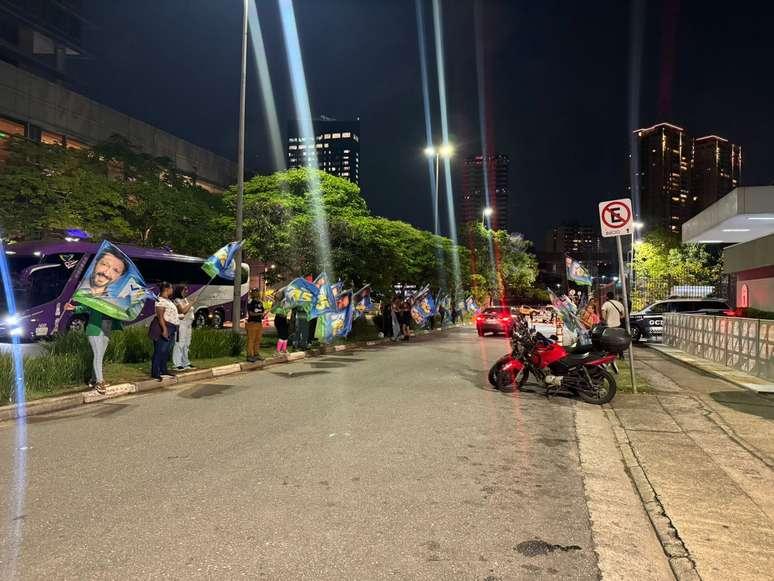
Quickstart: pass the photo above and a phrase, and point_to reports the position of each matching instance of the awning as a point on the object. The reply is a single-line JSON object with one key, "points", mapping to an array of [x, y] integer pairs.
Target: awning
{"points": [[742, 215]]}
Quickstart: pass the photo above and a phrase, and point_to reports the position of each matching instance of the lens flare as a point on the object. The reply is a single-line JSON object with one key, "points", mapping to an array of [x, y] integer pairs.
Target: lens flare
{"points": [[439, 59], [18, 489], [306, 131], [636, 25], [267, 92]]}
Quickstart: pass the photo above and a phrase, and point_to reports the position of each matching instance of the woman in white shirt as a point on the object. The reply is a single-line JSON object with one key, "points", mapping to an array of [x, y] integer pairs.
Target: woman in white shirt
{"points": [[163, 331], [185, 308]]}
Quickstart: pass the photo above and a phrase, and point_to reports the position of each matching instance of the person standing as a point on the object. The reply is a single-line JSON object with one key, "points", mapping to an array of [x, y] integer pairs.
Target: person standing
{"points": [[405, 322], [98, 329], [185, 309], [254, 326], [281, 324], [612, 311], [163, 331]]}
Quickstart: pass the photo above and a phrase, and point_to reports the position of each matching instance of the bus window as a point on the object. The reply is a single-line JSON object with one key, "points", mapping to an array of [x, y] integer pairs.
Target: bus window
{"points": [[47, 282], [154, 271]]}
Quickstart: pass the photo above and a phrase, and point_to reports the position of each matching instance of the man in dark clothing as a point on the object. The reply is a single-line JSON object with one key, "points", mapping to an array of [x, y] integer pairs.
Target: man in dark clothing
{"points": [[254, 326]]}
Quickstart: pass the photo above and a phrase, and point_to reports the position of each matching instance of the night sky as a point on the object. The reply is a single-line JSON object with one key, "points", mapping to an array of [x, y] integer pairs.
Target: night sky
{"points": [[557, 86]]}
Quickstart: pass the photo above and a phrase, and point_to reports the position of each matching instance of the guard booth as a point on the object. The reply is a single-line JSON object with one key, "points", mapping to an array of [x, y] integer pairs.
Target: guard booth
{"points": [[743, 218]]}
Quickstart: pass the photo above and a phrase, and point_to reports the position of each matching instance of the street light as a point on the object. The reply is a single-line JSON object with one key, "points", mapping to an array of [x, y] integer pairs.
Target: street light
{"points": [[445, 150], [637, 227], [487, 213], [236, 306]]}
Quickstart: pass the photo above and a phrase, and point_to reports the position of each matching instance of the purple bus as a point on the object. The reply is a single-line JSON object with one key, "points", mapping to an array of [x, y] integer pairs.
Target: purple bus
{"points": [[45, 275]]}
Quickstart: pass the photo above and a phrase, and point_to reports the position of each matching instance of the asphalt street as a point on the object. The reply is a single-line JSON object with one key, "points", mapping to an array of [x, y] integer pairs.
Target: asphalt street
{"points": [[389, 462]]}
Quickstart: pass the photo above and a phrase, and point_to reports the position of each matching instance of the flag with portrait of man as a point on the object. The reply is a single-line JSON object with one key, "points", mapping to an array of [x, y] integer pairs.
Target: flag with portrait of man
{"points": [[112, 285]]}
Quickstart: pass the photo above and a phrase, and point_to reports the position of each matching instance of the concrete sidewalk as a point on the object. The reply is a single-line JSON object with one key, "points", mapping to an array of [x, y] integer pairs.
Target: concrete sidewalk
{"points": [[705, 448]]}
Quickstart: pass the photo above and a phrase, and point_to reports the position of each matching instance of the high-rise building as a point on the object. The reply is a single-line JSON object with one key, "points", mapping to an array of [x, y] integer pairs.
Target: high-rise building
{"points": [[492, 170], [574, 239], [336, 145], [716, 168], [41, 36], [664, 176]]}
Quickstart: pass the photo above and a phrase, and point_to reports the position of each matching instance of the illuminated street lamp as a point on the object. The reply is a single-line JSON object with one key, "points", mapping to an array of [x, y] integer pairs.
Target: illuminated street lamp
{"points": [[637, 227], [445, 150], [487, 213]]}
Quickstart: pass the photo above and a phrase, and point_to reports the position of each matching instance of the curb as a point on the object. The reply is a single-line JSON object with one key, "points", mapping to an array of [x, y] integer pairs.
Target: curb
{"points": [[764, 388], [63, 402], [680, 560]]}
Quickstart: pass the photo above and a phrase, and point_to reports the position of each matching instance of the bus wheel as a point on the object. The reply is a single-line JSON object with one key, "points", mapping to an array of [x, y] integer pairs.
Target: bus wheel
{"points": [[201, 319], [77, 325], [217, 319]]}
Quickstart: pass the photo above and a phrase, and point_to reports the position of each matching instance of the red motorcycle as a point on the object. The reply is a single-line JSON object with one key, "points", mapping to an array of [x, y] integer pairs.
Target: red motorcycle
{"points": [[580, 371]]}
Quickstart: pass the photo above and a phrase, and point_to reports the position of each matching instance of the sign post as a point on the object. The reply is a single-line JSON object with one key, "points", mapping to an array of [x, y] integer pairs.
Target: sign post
{"points": [[616, 219]]}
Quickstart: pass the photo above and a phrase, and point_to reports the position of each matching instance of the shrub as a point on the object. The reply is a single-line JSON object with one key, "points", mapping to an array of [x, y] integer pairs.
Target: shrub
{"points": [[209, 343], [45, 373]]}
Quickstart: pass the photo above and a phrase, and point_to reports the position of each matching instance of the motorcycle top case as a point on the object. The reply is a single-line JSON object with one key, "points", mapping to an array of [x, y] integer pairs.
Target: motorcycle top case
{"points": [[610, 339]]}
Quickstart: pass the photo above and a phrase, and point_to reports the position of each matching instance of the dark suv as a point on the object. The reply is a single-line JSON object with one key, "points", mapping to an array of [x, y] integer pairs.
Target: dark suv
{"points": [[496, 320], [649, 322]]}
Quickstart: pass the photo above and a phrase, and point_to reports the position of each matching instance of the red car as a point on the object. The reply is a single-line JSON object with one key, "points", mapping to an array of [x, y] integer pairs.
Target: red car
{"points": [[496, 320]]}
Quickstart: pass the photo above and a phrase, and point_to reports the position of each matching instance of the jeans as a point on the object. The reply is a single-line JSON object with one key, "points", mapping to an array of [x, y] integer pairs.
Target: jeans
{"points": [[161, 350], [183, 343], [99, 345]]}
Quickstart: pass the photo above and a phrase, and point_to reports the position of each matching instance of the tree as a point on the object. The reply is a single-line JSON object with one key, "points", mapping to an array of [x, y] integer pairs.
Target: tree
{"points": [[661, 262], [502, 263], [280, 228], [113, 191]]}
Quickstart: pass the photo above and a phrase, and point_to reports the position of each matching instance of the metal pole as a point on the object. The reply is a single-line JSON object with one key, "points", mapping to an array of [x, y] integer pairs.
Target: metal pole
{"points": [[236, 307], [631, 266], [436, 213], [622, 271]]}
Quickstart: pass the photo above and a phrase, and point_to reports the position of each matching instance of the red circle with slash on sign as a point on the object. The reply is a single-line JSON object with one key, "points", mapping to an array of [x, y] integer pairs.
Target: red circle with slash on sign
{"points": [[610, 209]]}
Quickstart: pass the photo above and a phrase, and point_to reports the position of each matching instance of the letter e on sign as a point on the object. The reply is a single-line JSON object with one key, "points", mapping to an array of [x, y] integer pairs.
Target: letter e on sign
{"points": [[615, 217]]}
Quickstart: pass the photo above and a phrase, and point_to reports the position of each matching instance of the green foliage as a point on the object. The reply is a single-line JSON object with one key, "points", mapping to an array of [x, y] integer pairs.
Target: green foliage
{"points": [[45, 374], [113, 191], [751, 313], [210, 343], [661, 262], [502, 263], [280, 228]]}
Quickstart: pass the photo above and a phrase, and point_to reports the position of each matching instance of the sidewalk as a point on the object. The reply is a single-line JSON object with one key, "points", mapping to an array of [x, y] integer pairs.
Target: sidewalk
{"points": [[705, 450]]}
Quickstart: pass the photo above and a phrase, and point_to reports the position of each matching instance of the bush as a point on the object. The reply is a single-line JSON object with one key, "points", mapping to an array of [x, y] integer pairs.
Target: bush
{"points": [[44, 374], [209, 343]]}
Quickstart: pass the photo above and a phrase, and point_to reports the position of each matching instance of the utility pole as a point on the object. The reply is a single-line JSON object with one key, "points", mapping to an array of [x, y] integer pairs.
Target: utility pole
{"points": [[236, 308]]}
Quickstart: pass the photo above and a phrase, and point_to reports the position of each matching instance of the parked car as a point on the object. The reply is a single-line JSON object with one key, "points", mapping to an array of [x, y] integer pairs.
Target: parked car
{"points": [[649, 322], [496, 320]]}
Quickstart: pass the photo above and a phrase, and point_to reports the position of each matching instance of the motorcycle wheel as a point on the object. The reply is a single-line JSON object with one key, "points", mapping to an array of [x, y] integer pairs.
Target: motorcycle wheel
{"points": [[602, 389], [493, 372], [509, 382]]}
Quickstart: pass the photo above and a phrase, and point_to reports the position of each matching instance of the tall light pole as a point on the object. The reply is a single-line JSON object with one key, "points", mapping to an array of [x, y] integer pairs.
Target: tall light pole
{"points": [[486, 214], [445, 150], [236, 307], [637, 226]]}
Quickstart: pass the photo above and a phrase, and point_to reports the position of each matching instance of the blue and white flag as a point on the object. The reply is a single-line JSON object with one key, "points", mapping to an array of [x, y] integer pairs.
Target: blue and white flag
{"points": [[223, 262]]}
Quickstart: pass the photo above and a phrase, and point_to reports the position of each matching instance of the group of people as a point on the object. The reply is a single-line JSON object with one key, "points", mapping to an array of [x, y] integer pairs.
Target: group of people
{"points": [[396, 318]]}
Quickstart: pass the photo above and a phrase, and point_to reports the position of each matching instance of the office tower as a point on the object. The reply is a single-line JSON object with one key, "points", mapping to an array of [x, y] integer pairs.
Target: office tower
{"points": [[715, 169], [336, 144], [492, 170]]}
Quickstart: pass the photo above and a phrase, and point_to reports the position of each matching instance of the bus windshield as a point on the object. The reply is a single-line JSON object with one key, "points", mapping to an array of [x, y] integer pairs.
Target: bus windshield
{"points": [[35, 281]]}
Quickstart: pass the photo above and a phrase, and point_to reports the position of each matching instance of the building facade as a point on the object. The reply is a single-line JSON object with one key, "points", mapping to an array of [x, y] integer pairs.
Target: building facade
{"points": [[664, 176], [37, 40], [335, 146], [574, 239], [482, 175], [716, 169]]}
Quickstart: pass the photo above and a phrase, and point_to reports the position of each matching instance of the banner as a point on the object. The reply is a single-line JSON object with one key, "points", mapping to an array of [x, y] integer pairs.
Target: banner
{"points": [[112, 285], [300, 293], [325, 301], [222, 263], [332, 325], [363, 302], [423, 308], [576, 272], [470, 305]]}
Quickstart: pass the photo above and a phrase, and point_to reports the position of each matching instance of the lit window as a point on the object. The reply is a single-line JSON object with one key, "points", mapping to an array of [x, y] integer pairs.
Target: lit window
{"points": [[336, 136], [319, 146], [355, 138], [346, 134], [327, 136], [346, 151], [75, 144], [8, 127], [327, 145], [302, 146], [51, 138], [293, 147]]}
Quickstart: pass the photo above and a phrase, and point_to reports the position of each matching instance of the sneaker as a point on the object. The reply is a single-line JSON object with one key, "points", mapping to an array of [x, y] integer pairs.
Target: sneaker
{"points": [[189, 366], [180, 368], [101, 387], [166, 376]]}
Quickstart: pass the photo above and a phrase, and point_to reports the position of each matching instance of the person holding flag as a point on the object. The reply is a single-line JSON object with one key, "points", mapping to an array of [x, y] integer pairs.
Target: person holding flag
{"points": [[112, 291]]}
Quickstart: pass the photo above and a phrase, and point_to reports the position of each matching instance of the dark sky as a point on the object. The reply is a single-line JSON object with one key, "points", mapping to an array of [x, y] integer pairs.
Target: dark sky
{"points": [[557, 85]]}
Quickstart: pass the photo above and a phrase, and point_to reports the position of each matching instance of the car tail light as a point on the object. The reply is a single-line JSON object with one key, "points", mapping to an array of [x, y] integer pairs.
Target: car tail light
{"points": [[731, 313], [505, 317]]}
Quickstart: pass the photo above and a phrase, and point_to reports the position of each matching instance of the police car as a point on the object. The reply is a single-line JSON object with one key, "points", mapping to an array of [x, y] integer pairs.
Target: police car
{"points": [[648, 323]]}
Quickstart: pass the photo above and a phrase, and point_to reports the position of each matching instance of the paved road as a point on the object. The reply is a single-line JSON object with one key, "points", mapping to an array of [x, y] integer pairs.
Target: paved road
{"points": [[392, 462]]}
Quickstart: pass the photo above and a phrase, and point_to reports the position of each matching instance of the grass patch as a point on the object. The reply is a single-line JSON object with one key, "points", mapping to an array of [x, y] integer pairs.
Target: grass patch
{"points": [[624, 379]]}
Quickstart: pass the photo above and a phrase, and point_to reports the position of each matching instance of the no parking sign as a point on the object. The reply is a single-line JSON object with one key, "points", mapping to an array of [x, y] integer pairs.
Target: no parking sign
{"points": [[615, 217]]}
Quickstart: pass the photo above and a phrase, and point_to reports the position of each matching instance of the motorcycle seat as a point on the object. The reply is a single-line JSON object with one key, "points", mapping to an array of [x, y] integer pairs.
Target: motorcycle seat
{"points": [[577, 358], [580, 348]]}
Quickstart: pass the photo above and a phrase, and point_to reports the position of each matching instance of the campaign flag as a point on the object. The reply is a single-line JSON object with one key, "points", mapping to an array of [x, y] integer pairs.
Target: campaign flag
{"points": [[112, 285], [337, 288], [223, 263], [363, 302], [423, 309], [300, 293], [576, 272], [566, 310], [325, 301], [334, 324], [470, 304]]}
